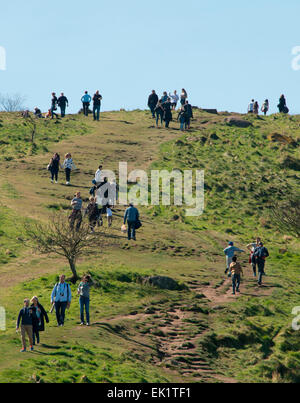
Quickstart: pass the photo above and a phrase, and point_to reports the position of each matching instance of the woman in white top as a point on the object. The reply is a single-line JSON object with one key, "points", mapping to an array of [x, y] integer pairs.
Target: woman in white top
{"points": [[68, 165], [174, 99]]}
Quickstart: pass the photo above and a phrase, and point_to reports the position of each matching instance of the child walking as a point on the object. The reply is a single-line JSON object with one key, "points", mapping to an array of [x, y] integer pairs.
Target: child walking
{"points": [[236, 271], [109, 215]]}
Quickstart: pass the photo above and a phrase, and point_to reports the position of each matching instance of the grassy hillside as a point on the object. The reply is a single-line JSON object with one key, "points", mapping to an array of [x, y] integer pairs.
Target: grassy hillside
{"points": [[198, 333]]}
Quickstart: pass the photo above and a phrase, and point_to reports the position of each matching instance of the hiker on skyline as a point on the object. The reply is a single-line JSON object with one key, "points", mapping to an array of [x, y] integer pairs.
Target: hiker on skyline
{"points": [[236, 271], [164, 97], [38, 323], [255, 108], [68, 165], [261, 254], [86, 100], [63, 102], [76, 215], [182, 117], [54, 167], [53, 106], [84, 298], [25, 318], [183, 96], [265, 107], [251, 247], [251, 106], [131, 216], [61, 298], [167, 112], [97, 105], [174, 99], [229, 253], [282, 105], [152, 102]]}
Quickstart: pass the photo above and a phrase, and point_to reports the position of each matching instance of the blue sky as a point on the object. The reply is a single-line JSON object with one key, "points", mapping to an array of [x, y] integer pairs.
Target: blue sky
{"points": [[222, 52]]}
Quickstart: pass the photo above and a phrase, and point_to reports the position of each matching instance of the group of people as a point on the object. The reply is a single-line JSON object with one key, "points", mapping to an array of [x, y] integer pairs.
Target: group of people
{"points": [[54, 166], [253, 107], [161, 108], [32, 317], [258, 255]]}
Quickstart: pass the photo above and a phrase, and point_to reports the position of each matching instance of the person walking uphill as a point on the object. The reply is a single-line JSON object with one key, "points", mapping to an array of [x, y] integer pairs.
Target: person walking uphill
{"points": [[68, 165], [63, 103], [38, 324], [76, 215], [236, 271], [260, 254], [86, 100], [229, 253], [97, 105], [84, 298], [25, 318], [152, 102], [131, 216], [61, 298]]}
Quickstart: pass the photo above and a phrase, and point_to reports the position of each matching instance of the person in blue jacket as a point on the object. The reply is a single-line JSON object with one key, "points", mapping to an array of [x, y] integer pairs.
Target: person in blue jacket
{"points": [[86, 100], [229, 253], [131, 216]]}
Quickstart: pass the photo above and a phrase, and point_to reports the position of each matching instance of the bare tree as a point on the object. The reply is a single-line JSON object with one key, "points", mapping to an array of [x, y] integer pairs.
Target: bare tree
{"points": [[12, 103], [32, 124], [286, 215], [56, 237]]}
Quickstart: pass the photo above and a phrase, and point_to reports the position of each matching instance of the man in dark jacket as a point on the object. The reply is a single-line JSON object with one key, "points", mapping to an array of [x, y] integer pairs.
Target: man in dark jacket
{"points": [[26, 319], [152, 102], [97, 105], [188, 113], [260, 254], [131, 216], [63, 103]]}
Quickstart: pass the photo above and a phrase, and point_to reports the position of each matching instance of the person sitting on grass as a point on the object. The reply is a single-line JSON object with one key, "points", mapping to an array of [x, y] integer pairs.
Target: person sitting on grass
{"points": [[26, 319], [236, 271]]}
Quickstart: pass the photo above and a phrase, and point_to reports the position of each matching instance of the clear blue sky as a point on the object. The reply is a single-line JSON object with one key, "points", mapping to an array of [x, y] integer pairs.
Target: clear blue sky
{"points": [[222, 52]]}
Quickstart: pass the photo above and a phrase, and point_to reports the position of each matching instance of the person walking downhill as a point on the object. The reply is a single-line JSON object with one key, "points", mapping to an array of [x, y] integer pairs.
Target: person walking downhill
{"points": [[97, 105], [152, 102], [54, 167], [68, 165], [265, 107], [174, 100], [183, 96], [252, 260], [261, 254], [164, 97], [167, 112], [236, 271], [25, 318], [63, 103], [38, 323], [109, 215], [229, 253], [61, 298], [92, 212], [159, 113], [53, 106], [86, 100], [131, 216], [76, 215], [84, 298]]}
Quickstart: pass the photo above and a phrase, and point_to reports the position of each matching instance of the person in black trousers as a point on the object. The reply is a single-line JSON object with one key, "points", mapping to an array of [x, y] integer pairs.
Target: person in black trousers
{"points": [[152, 102], [167, 112], [97, 105], [38, 322], [63, 103], [54, 167], [53, 106], [159, 112]]}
